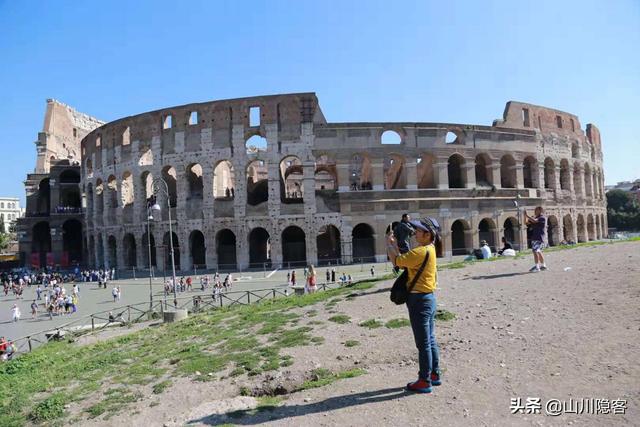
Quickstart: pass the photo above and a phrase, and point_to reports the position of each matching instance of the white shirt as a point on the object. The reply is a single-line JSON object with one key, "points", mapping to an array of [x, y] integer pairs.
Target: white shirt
{"points": [[486, 252]]}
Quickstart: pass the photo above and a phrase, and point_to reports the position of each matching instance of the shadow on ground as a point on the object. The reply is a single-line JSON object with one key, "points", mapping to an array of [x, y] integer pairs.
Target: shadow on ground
{"points": [[498, 276], [273, 413]]}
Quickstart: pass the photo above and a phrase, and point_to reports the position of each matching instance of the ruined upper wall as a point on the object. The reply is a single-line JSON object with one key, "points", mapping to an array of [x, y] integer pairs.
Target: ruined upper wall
{"points": [[521, 115], [62, 131]]}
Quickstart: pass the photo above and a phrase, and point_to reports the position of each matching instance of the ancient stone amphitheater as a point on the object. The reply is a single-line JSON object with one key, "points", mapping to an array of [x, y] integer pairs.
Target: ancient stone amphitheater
{"points": [[266, 182]]}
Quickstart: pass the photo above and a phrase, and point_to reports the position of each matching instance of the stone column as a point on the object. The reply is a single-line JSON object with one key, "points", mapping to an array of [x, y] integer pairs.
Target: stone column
{"points": [[377, 174], [312, 246], [346, 242], [442, 174], [142, 251], [556, 179], [519, 175], [182, 191], [276, 245], [470, 173], [242, 247], [495, 175], [412, 174], [210, 243], [539, 176], [309, 190], [207, 190]]}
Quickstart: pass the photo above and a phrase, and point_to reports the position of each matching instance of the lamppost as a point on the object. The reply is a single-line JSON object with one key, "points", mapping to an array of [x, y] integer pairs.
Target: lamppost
{"points": [[149, 218], [160, 185]]}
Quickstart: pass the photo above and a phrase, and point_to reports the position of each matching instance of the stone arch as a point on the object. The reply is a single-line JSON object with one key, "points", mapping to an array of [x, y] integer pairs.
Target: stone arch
{"points": [[512, 231], [92, 251], [598, 230], [454, 136], [575, 150], [72, 242], [549, 173], [360, 172], [127, 195], [425, 171], [195, 185], [326, 176], [455, 169], [461, 239], [226, 249], [565, 175], [483, 170], [145, 249], [603, 224], [166, 242], [256, 144], [112, 192], [99, 196], [70, 176], [88, 167], [328, 245], [259, 248], [530, 172], [257, 182], [363, 243], [582, 231], [146, 181], [507, 171], [588, 190], [395, 172], [100, 247], [169, 174], [224, 180], [112, 254], [146, 158], [44, 196], [487, 231], [567, 229], [41, 243], [291, 180], [391, 137], [553, 231], [294, 249], [591, 231], [130, 251], [197, 249], [90, 199]]}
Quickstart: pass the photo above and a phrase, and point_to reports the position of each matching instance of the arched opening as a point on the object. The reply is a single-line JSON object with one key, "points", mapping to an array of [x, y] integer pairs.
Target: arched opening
{"points": [[605, 230], [577, 180], [574, 151], [582, 232], [511, 232], [112, 192], [166, 242], [325, 173], [112, 247], [390, 137], [549, 173], [461, 238], [224, 180], [195, 184], [69, 198], [483, 171], [530, 172], [507, 172], [100, 249], [565, 175], [363, 243], [395, 172], [259, 248], [256, 144], [425, 171], [598, 234], [89, 168], [44, 197], [130, 251], [90, 199], [567, 229], [169, 175], [456, 174], [487, 231], [257, 183], [451, 138], [128, 196], [146, 180], [591, 231], [328, 245], [587, 181], [294, 248], [226, 249], [291, 180], [197, 249], [146, 158], [99, 197], [70, 176], [41, 244], [553, 231], [360, 172], [71, 242], [145, 249]]}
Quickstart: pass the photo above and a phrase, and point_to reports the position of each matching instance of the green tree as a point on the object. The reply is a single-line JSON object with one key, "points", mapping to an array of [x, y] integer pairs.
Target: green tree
{"points": [[623, 210], [2, 229], [5, 240]]}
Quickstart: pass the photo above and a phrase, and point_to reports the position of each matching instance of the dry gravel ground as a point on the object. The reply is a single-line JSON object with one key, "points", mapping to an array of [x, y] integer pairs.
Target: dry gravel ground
{"points": [[551, 335]]}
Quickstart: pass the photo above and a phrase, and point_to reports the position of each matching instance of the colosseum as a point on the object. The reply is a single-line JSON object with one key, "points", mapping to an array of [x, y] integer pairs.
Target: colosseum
{"points": [[267, 182]]}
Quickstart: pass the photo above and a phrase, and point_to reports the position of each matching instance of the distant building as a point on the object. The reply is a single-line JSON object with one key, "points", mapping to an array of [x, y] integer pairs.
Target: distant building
{"points": [[628, 186], [51, 231], [10, 211]]}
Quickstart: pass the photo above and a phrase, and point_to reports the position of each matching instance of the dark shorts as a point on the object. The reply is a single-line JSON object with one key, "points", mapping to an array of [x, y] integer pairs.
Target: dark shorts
{"points": [[537, 245]]}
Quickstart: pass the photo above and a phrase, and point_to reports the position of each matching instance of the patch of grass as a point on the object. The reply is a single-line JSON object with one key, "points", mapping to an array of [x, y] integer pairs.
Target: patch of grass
{"points": [[444, 315], [311, 313], [453, 265], [49, 409], [340, 318], [351, 343], [161, 387], [315, 322], [265, 403], [371, 324], [317, 340], [397, 323], [322, 377], [237, 371]]}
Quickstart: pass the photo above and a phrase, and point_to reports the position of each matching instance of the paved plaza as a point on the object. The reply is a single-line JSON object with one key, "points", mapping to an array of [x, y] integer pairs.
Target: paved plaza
{"points": [[94, 300]]}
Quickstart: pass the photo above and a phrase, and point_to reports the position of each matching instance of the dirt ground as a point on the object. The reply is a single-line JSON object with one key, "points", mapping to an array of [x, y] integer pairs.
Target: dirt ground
{"points": [[550, 335]]}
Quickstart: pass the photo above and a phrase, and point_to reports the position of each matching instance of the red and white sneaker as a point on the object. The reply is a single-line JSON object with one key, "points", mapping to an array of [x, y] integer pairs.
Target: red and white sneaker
{"points": [[420, 386]]}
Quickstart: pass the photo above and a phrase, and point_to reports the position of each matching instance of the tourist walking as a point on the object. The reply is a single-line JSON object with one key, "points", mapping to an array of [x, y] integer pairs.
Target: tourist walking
{"points": [[15, 313], [420, 263], [538, 224], [311, 280]]}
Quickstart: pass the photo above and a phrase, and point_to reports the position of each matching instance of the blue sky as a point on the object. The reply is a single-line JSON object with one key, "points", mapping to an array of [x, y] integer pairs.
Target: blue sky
{"points": [[453, 61]]}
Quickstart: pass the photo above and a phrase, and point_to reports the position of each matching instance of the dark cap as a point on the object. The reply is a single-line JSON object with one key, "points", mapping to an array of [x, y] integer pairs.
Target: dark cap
{"points": [[426, 224]]}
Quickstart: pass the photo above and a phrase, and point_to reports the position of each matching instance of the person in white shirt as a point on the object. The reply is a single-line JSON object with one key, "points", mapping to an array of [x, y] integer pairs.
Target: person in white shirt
{"points": [[486, 250], [15, 313]]}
